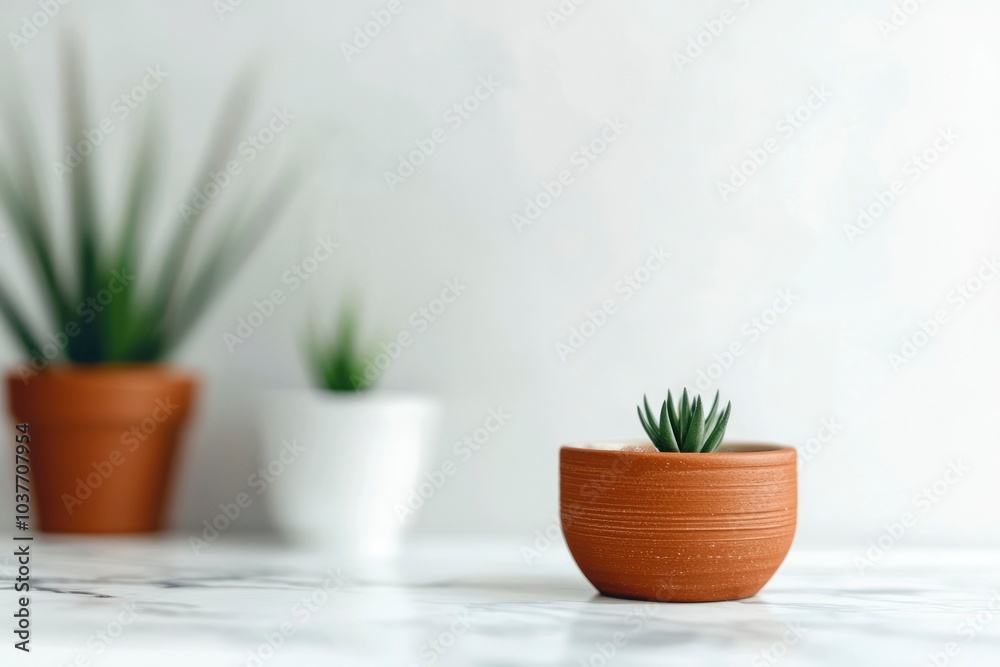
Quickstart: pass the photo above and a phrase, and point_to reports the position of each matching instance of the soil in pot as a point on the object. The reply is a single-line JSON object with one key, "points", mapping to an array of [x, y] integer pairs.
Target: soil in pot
{"points": [[104, 441]]}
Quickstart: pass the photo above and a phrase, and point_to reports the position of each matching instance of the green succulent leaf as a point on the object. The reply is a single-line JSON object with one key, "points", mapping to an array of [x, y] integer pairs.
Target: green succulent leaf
{"points": [[650, 418], [666, 431], [650, 431], [659, 432], [700, 433], [336, 361], [693, 438], [711, 413], [675, 423], [715, 439], [685, 415]]}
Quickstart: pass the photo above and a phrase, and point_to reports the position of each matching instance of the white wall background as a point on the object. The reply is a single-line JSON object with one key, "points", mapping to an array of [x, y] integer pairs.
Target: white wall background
{"points": [[656, 186]]}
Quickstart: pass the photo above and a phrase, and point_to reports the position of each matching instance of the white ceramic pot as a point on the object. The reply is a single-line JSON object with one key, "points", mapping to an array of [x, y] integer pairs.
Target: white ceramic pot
{"points": [[345, 464]]}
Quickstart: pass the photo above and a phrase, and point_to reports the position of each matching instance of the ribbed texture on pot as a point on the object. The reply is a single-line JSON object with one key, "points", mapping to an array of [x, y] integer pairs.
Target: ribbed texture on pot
{"points": [[678, 527]]}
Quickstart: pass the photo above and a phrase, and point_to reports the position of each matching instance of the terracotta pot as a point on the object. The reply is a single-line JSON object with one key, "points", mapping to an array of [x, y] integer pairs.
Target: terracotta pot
{"points": [[674, 527], [103, 444]]}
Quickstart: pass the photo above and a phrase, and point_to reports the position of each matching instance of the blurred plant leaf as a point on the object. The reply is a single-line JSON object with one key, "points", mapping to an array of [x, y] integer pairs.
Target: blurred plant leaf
{"points": [[17, 323], [242, 235], [117, 321], [21, 194], [227, 129], [337, 363]]}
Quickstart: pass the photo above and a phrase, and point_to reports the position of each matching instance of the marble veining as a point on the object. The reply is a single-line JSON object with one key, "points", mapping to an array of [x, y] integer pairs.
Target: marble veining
{"points": [[155, 602]]}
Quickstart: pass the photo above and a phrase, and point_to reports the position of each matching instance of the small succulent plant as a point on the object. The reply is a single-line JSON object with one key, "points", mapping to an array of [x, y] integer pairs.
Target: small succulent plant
{"points": [[336, 361], [686, 430]]}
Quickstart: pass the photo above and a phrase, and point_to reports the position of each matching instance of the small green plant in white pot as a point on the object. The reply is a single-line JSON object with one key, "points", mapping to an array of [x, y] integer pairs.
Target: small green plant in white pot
{"points": [[361, 450]]}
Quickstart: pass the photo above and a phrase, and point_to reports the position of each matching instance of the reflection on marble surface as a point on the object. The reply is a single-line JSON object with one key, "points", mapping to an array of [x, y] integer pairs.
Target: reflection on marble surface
{"points": [[154, 602]]}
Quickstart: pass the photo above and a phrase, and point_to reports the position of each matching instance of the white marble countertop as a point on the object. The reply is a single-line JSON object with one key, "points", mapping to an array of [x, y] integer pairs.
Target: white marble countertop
{"points": [[151, 602]]}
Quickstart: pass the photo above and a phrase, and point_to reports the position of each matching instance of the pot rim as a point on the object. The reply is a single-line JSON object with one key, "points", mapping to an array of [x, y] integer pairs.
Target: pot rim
{"points": [[640, 448], [108, 371], [365, 397]]}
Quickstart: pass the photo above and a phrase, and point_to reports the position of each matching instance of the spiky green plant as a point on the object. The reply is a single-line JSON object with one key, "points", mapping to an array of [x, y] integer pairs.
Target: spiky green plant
{"points": [[148, 315], [687, 429], [337, 362]]}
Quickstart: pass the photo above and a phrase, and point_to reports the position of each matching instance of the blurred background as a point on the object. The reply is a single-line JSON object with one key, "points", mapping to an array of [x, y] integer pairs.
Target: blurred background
{"points": [[794, 203]]}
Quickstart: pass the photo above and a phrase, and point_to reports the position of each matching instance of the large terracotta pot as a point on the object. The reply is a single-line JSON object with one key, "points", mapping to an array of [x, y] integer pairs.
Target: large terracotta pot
{"points": [[678, 527], [104, 440]]}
